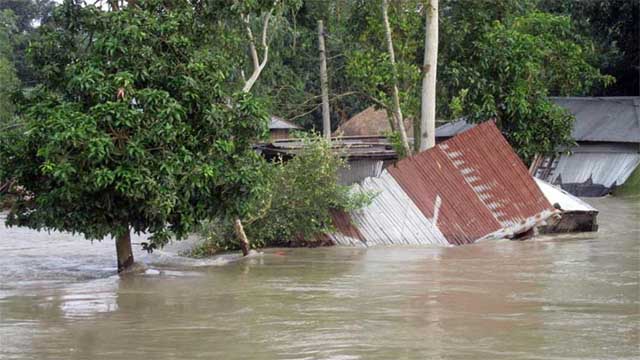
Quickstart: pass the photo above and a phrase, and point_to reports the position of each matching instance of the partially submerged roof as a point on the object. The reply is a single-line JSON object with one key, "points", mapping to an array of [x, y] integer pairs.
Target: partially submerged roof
{"points": [[467, 188], [609, 119], [565, 200], [277, 123], [588, 174], [369, 122]]}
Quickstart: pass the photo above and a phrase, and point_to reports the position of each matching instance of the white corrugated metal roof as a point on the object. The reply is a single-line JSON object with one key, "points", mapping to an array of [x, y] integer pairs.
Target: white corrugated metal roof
{"points": [[606, 169], [453, 128], [391, 219], [279, 123], [566, 201]]}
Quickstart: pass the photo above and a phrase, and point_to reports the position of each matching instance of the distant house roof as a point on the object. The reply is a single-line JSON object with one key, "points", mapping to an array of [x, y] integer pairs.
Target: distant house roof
{"points": [[611, 119], [353, 148], [277, 123], [453, 128], [606, 119], [369, 122]]}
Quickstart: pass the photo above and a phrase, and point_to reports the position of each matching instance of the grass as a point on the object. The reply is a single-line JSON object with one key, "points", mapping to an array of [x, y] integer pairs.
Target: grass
{"points": [[631, 187]]}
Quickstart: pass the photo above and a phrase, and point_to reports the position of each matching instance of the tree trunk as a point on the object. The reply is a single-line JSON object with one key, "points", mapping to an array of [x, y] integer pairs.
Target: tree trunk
{"points": [[123, 249], [429, 70], [396, 94], [324, 84], [242, 237]]}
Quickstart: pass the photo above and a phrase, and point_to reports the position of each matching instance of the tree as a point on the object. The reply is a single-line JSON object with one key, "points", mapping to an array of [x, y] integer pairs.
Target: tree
{"points": [[29, 14], [296, 211], [8, 78], [614, 27], [139, 125], [513, 70], [395, 93], [427, 129]]}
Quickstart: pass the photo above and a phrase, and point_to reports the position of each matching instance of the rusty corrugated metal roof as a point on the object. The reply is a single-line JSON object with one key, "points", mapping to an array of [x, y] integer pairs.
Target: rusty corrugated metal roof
{"points": [[470, 187]]}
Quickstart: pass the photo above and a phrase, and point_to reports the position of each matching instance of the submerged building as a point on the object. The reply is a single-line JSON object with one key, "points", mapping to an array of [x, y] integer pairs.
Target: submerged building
{"points": [[465, 189]]}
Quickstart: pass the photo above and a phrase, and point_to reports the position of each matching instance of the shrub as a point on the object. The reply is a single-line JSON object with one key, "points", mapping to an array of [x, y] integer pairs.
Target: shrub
{"points": [[296, 209]]}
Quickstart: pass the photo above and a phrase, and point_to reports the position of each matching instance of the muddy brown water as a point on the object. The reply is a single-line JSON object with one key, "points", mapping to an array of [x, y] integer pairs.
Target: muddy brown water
{"points": [[555, 297]]}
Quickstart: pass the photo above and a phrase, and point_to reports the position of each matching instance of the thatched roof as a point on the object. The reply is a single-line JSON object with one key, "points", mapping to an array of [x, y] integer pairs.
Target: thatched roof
{"points": [[370, 122]]}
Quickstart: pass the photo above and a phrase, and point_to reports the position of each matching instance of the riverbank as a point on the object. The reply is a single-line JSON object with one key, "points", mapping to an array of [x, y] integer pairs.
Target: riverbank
{"points": [[631, 188]]}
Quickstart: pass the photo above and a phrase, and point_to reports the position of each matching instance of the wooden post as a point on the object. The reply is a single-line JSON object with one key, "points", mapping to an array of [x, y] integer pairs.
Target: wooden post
{"points": [[429, 70], [244, 242], [324, 84], [124, 252]]}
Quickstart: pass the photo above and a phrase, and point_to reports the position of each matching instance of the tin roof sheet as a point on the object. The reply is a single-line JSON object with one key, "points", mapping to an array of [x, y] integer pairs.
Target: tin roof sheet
{"points": [[453, 128], [567, 202], [615, 119], [470, 187], [278, 123], [607, 169]]}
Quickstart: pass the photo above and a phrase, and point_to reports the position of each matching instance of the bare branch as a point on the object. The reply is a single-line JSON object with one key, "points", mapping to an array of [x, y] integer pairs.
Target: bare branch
{"points": [[397, 112], [252, 43], [258, 65]]}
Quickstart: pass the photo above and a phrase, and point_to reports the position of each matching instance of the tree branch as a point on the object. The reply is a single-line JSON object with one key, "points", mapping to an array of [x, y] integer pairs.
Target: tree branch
{"points": [[258, 65]]}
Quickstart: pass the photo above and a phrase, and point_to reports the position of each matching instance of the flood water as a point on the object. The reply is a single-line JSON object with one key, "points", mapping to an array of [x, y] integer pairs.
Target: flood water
{"points": [[555, 297]]}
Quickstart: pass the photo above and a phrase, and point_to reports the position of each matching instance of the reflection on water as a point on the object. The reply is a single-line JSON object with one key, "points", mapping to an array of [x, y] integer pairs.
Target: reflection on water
{"points": [[556, 297]]}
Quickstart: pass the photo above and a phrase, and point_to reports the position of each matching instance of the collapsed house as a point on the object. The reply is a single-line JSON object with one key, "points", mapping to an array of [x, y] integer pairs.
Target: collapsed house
{"points": [[465, 189], [404, 210]]}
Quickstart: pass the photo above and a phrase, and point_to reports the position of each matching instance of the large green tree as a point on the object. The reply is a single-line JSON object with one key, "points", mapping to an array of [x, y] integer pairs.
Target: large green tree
{"points": [[9, 82], [497, 60], [138, 125], [29, 15], [614, 27], [469, 83], [511, 71]]}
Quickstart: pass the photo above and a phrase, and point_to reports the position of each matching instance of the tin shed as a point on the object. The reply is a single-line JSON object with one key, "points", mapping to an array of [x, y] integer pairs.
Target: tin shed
{"points": [[607, 132]]}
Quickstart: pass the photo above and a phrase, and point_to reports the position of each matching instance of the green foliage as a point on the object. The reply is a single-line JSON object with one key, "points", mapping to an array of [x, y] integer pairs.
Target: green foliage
{"points": [[396, 143], [27, 16], [368, 65], [545, 55], [297, 208], [9, 82], [136, 125], [613, 25], [515, 68], [291, 81], [631, 187]]}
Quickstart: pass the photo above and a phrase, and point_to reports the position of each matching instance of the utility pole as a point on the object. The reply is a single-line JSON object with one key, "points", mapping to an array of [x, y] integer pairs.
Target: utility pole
{"points": [[429, 70], [324, 83]]}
